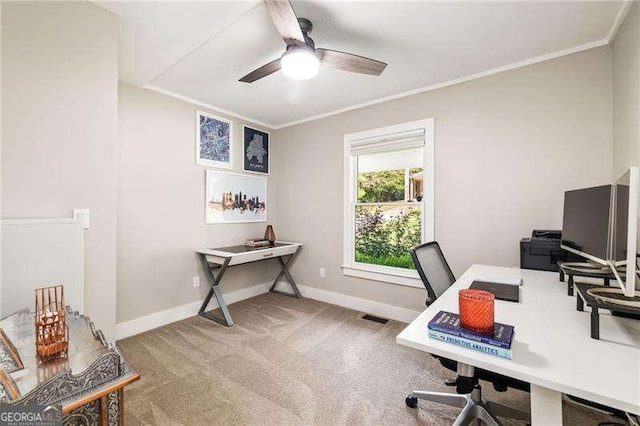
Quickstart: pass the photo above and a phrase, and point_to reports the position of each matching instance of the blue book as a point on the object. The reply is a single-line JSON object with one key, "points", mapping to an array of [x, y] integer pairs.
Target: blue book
{"points": [[449, 323], [471, 344]]}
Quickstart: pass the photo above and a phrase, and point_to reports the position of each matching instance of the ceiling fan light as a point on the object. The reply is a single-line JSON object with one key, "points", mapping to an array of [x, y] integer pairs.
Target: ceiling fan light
{"points": [[300, 64]]}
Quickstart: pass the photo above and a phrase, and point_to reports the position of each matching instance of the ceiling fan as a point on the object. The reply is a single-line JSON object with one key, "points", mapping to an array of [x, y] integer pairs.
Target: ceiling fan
{"points": [[301, 60]]}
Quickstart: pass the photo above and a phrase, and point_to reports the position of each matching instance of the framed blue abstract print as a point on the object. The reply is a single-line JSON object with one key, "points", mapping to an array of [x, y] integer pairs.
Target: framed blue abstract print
{"points": [[214, 143]]}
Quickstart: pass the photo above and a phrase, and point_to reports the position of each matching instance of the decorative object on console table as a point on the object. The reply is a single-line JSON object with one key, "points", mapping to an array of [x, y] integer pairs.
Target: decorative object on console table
{"points": [[269, 235], [214, 147], [52, 333], [476, 309], [257, 242], [91, 394], [235, 198], [256, 151]]}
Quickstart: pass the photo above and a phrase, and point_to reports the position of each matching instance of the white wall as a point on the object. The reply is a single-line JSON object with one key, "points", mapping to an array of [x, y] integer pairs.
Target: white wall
{"points": [[59, 110], [626, 93], [1, 139], [507, 146], [161, 196]]}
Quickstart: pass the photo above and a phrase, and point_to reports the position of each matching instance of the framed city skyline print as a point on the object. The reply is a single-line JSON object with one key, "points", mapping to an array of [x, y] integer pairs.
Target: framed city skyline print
{"points": [[214, 143], [255, 153], [235, 198]]}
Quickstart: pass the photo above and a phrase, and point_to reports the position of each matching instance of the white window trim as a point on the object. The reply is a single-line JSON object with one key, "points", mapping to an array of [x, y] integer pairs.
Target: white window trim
{"points": [[386, 274]]}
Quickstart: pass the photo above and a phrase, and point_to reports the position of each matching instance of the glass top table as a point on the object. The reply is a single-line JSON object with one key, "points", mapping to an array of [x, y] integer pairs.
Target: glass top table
{"points": [[84, 349], [91, 363]]}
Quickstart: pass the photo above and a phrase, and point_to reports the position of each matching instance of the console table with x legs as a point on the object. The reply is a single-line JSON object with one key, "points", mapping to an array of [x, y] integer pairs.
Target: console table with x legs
{"points": [[215, 262]]}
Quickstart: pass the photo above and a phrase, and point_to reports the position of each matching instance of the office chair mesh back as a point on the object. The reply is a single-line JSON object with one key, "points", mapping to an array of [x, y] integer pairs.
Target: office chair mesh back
{"points": [[433, 269]]}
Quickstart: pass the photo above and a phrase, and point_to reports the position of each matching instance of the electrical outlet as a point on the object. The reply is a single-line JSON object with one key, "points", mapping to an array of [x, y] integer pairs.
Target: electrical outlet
{"points": [[321, 272], [196, 281]]}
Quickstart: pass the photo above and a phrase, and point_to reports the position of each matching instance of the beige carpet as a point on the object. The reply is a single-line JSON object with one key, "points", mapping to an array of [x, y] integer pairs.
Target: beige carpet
{"points": [[289, 362]]}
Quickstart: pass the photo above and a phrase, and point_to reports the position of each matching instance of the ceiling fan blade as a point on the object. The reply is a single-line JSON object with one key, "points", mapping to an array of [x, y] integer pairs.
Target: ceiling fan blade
{"points": [[350, 62], [285, 20], [261, 72]]}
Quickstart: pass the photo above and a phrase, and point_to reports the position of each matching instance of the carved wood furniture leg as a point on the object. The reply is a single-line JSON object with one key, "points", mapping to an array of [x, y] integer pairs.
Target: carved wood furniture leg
{"points": [[103, 411], [121, 405]]}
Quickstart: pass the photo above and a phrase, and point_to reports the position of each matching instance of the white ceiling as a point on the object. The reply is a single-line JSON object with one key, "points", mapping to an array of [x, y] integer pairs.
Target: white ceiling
{"points": [[156, 35], [200, 50]]}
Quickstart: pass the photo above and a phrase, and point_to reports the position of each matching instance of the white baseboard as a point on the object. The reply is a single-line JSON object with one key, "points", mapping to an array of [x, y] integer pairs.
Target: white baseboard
{"points": [[158, 319], [363, 305]]}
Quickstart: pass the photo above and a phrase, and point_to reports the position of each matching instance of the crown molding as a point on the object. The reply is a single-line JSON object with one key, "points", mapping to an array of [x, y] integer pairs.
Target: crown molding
{"points": [[526, 62], [617, 23], [622, 13], [497, 70], [208, 106]]}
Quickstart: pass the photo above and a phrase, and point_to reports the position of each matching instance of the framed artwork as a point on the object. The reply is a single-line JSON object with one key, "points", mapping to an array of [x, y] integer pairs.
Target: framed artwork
{"points": [[235, 198], [256, 150], [214, 146]]}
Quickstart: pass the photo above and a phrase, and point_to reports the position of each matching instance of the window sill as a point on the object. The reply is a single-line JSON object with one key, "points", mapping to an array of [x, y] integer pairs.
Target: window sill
{"points": [[399, 277]]}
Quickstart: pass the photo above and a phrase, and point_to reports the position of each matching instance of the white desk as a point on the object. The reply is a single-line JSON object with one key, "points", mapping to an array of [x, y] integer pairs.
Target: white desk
{"points": [[552, 347], [220, 258]]}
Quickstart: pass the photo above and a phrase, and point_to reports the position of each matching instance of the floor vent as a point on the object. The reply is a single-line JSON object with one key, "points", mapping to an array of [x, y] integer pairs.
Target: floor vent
{"points": [[375, 319]]}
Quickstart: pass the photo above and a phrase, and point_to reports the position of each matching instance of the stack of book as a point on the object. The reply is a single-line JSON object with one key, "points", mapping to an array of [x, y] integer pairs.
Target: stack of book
{"points": [[446, 326], [257, 242]]}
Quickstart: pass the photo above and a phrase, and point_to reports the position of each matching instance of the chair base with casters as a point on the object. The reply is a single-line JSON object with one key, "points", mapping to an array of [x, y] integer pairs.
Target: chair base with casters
{"points": [[437, 277], [618, 417], [469, 398]]}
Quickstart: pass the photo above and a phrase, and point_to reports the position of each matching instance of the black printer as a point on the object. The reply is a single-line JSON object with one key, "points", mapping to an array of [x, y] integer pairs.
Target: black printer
{"points": [[542, 251]]}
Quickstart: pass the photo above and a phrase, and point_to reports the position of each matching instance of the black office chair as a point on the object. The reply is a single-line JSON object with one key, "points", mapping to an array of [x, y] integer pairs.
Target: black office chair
{"points": [[437, 278]]}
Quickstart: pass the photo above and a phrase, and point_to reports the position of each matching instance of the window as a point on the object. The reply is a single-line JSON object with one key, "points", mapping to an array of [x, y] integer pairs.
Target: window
{"points": [[388, 204]]}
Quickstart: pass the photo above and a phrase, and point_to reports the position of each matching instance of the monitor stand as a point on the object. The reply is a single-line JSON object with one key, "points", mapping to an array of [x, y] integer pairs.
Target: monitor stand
{"points": [[615, 296], [598, 297], [588, 267], [584, 269], [626, 315]]}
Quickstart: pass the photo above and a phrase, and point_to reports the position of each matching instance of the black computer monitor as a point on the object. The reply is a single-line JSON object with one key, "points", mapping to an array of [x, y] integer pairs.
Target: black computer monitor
{"points": [[586, 222]]}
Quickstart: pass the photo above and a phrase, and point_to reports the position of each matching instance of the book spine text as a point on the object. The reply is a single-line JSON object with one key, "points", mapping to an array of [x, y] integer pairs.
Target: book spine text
{"points": [[468, 336], [471, 344]]}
